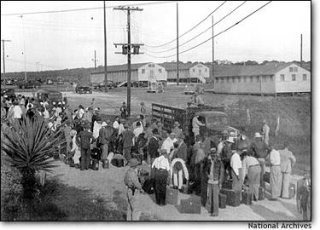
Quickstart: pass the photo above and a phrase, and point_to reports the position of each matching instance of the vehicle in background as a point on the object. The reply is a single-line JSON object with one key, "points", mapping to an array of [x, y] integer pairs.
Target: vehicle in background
{"points": [[101, 85], [189, 89], [53, 96], [7, 92], [83, 90], [28, 84], [214, 118]]}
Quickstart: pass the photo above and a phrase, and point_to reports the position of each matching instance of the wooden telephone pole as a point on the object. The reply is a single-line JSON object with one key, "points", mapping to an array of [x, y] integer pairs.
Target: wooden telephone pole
{"points": [[105, 48], [4, 56], [177, 8], [128, 49]]}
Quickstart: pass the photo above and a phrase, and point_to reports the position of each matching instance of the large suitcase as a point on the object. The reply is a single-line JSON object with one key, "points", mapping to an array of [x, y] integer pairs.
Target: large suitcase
{"points": [[191, 205], [246, 197], [172, 196], [222, 200], [233, 197], [261, 193]]}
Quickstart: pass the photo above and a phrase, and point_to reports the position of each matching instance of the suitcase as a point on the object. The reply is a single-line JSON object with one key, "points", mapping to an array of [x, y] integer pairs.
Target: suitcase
{"points": [[95, 164], [172, 196], [191, 205], [233, 197], [246, 197], [222, 200], [105, 164], [292, 190], [227, 184], [117, 162], [148, 186], [261, 193]]}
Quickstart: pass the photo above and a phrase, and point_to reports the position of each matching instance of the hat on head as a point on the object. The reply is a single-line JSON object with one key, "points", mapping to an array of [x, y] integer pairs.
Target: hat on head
{"points": [[176, 123], [133, 162], [73, 132], [214, 149], [257, 135], [125, 125], [104, 124], [155, 131], [225, 132], [230, 139]]}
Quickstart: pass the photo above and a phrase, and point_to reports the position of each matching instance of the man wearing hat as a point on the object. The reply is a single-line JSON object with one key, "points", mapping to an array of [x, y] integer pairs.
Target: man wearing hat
{"points": [[213, 168], [275, 172], [105, 134], [153, 146], [131, 180], [168, 142], [123, 111], [128, 136], [85, 138], [161, 168], [259, 150], [176, 128]]}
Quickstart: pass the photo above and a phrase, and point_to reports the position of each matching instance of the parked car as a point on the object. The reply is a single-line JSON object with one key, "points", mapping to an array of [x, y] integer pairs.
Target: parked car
{"points": [[83, 90], [28, 84], [7, 92]]}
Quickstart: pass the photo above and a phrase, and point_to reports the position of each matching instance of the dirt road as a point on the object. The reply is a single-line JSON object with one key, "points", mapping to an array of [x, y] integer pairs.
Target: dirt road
{"points": [[108, 183]]}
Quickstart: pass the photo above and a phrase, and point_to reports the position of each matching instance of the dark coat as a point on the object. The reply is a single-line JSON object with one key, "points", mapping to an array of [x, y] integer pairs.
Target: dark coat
{"points": [[153, 147]]}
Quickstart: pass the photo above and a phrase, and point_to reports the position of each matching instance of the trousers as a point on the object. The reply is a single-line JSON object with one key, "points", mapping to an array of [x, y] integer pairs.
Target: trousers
{"points": [[275, 181], [85, 158], [285, 182], [133, 212], [212, 203], [105, 150], [254, 180], [160, 186], [177, 178]]}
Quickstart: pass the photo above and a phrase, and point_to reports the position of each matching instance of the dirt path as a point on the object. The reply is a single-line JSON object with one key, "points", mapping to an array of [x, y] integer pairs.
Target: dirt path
{"points": [[108, 183]]}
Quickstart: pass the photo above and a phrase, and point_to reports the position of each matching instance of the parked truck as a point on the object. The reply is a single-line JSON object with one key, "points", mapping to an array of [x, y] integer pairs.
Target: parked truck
{"points": [[214, 118]]}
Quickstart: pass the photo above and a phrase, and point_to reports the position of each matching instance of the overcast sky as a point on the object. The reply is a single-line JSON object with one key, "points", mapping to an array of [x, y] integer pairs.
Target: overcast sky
{"points": [[68, 40]]}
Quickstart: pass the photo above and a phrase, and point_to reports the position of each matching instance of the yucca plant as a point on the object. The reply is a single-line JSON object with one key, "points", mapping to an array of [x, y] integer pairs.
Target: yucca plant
{"points": [[29, 145]]}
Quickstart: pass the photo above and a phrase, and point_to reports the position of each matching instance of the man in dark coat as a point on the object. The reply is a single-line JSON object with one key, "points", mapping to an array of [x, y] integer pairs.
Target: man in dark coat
{"points": [[85, 138], [127, 141], [153, 146]]}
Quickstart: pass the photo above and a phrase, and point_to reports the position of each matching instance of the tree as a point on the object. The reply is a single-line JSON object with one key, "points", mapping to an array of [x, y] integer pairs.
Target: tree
{"points": [[30, 145]]}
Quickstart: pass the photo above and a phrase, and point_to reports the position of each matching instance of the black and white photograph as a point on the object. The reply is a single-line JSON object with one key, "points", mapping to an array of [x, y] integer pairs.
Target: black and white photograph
{"points": [[157, 111]]}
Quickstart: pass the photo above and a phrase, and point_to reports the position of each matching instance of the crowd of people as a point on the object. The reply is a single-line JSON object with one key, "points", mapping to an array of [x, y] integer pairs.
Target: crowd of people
{"points": [[202, 168]]}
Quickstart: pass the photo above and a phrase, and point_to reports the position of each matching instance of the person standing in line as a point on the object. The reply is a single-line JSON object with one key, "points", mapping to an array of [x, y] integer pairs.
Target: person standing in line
{"points": [[265, 132], [252, 168], [128, 138], [215, 171], [236, 171], [124, 111], [275, 172], [161, 176], [85, 138], [176, 128], [138, 129], [75, 151], [67, 130], [143, 109], [153, 147], [287, 161], [196, 126], [134, 189], [168, 143], [259, 150], [105, 134]]}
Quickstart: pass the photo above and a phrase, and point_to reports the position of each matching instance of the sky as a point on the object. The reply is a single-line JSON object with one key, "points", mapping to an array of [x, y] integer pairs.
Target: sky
{"points": [[49, 41]]}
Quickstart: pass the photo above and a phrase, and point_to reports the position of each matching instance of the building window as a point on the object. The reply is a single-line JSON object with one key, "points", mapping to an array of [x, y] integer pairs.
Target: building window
{"points": [[217, 80], [258, 78], [281, 77], [304, 77], [233, 79], [160, 70], [244, 79], [222, 80], [251, 78], [293, 69], [293, 77], [271, 78], [143, 71], [228, 79], [264, 79]]}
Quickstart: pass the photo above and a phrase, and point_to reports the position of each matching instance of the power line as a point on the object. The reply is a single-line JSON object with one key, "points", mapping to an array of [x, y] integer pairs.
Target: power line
{"points": [[198, 35], [84, 9], [216, 34], [192, 28]]}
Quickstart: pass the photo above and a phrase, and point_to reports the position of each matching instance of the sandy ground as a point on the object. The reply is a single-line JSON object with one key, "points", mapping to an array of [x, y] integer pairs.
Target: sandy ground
{"points": [[108, 183]]}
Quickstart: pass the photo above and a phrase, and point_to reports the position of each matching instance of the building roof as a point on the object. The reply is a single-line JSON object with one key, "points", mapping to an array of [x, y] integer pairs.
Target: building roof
{"points": [[119, 68], [249, 70]]}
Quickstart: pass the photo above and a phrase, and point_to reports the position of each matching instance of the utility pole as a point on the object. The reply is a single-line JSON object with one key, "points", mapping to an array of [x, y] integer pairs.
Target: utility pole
{"points": [[105, 48], [127, 50], [4, 57], [212, 67], [177, 7], [95, 59], [301, 50]]}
